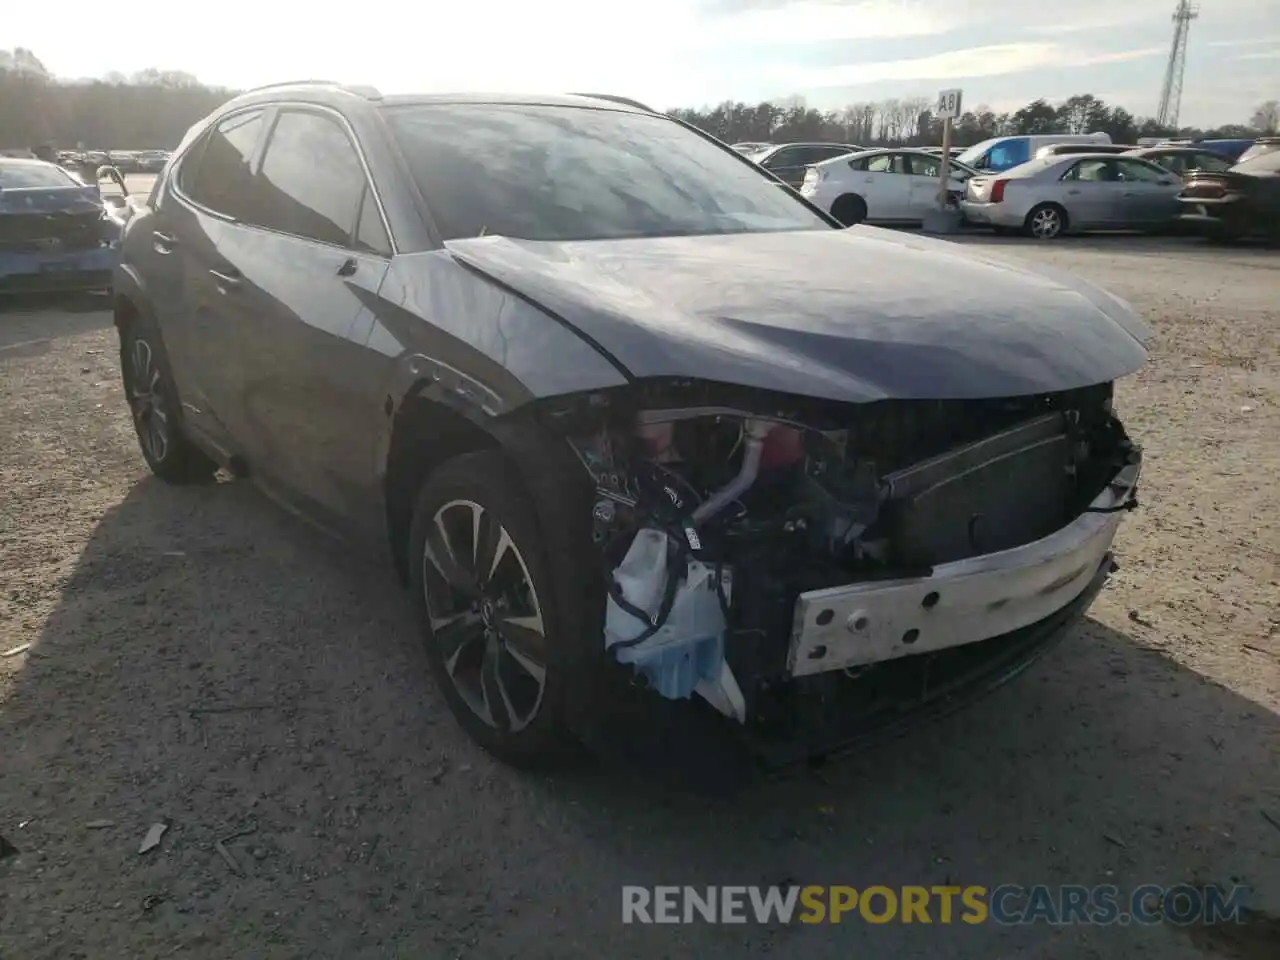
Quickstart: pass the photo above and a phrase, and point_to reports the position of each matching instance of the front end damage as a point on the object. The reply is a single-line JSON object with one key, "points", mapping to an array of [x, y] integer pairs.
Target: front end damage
{"points": [[796, 575]]}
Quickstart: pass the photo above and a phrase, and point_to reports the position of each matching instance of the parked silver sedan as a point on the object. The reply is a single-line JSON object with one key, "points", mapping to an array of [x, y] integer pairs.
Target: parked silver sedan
{"points": [[1048, 197]]}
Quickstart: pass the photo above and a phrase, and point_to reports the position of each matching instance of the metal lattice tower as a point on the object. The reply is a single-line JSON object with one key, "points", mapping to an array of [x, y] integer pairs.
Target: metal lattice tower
{"points": [[1171, 91]]}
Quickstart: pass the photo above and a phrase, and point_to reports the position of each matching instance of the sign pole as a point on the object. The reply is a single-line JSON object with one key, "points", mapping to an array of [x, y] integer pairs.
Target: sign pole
{"points": [[944, 170], [944, 219]]}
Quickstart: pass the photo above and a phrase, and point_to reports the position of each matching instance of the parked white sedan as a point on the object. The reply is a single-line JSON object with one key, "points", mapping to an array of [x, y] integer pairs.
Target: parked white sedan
{"points": [[880, 186]]}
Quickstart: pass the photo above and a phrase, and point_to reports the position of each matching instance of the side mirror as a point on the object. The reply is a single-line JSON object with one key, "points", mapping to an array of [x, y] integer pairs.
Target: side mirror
{"points": [[113, 175]]}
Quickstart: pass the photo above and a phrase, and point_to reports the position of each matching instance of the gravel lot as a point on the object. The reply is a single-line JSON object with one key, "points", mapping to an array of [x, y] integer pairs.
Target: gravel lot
{"points": [[1145, 749]]}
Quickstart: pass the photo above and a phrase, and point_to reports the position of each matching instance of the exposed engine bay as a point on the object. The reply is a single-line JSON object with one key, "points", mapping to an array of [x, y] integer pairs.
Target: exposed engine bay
{"points": [[751, 554]]}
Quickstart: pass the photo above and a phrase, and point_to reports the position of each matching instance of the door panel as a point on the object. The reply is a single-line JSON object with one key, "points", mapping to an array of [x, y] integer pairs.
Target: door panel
{"points": [[304, 404], [887, 188], [307, 268], [212, 182], [1149, 193], [925, 184], [1093, 195]]}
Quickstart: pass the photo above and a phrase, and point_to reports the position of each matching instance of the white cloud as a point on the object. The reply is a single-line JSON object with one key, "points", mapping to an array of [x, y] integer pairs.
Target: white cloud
{"points": [[1246, 42], [810, 20], [1264, 55], [991, 61]]}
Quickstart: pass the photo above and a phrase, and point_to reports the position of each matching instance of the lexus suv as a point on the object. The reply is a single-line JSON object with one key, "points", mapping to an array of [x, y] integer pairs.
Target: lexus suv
{"points": [[672, 464]]}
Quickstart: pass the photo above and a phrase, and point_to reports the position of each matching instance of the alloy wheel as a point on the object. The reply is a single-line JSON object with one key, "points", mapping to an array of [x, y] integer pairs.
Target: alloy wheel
{"points": [[1046, 224], [147, 401], [485, 616]]}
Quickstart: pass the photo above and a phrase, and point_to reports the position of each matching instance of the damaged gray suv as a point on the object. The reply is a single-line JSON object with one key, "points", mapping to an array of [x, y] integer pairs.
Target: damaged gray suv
{"points": [[671, 463]]}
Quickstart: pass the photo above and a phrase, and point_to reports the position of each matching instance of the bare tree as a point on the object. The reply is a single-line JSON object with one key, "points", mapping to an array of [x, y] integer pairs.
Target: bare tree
{"points": [[1266, 119], [913, 108]]}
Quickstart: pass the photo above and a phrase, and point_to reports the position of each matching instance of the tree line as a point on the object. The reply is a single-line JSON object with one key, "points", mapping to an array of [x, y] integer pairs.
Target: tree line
{"points": [[153, 109], [910, 121]]}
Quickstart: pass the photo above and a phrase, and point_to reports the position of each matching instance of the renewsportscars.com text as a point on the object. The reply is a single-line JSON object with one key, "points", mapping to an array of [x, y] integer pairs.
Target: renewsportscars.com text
{"points": [[1147, 904]]}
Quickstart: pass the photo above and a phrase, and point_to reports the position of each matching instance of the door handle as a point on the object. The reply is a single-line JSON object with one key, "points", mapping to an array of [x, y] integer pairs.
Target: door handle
{"points": [[162, 242], [228, 280], [348, 267]]}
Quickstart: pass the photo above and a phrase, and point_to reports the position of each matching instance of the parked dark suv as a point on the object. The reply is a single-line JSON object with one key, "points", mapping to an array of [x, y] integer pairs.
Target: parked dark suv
{"points": [[671, 462]]}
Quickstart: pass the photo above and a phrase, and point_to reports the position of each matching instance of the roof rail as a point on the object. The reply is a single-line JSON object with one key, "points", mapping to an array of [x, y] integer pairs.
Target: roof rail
{"points": [[625, 101], [369, 93]]}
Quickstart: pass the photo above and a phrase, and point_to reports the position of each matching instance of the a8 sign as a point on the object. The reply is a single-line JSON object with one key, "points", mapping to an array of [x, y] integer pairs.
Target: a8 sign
{"points": [[948, 105]]}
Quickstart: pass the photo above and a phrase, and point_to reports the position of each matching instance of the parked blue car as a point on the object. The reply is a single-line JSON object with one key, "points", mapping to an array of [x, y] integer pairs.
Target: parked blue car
{"points": [[56, 232]]}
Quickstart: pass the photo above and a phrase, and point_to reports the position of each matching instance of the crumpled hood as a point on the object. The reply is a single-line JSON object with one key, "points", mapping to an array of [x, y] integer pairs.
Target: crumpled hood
{"points": [[853, 315]]}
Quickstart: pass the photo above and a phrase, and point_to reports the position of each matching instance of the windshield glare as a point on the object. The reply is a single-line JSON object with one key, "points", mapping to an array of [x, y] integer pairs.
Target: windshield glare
{"points": [[572, 173], [23, 175]]}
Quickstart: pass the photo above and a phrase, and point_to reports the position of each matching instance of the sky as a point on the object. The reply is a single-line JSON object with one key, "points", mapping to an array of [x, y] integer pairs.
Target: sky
{"points": [[671, 53]]}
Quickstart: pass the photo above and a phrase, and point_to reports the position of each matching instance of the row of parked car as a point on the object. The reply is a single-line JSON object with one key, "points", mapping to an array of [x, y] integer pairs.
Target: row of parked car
{"points": [[126, 161], [1045, 185]]}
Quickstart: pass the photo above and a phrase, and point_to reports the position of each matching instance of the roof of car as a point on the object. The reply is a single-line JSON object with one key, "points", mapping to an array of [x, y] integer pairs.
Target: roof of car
{"points": [[24, 162], [876, 151], [598, 101], [324, 92]]}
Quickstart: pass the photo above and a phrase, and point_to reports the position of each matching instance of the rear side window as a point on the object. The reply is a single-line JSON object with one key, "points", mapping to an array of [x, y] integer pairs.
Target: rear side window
{"points": [[887, 163], [216, 174], [311, 182]]}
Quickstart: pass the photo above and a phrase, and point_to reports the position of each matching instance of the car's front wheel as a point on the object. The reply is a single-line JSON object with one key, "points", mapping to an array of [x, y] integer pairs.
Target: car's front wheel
{"points": [[482, 588], [153, 404]]}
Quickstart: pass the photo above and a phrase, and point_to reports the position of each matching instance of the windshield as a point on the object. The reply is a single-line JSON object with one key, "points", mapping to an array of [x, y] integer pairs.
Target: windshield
{"points": [[571, 173], [970, 156], [19, 175]]}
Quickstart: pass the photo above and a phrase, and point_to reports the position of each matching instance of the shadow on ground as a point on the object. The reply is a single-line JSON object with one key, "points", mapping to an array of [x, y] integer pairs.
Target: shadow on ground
{"points": [[28, 325], [1249, 252], [219, 667]]}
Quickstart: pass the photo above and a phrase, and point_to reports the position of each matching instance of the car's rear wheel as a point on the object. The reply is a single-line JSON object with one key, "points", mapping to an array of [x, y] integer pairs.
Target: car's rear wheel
{"points": [[849, 209], [482, 588], [157, 415], [1048, 221]]}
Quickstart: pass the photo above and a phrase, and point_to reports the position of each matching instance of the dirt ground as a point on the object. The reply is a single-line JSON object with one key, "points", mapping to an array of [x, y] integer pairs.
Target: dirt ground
{"points": [[200, 659]]}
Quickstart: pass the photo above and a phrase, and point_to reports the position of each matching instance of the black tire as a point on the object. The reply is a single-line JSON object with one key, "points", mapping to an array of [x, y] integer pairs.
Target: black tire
{"points": [[157, 415], [1045, 221], [482, 659], [849, 209]]}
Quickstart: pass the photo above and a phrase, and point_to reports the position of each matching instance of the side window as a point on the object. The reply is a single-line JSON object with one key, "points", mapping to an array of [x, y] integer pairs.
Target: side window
{"points": [[216, 173], [825, 153], [311, 181], [887, 163], [924, 166], [783, 158], [1135, 171], [1091, 171], [1176, 162], [859, 164], [371, 235], [1209, 162]]}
